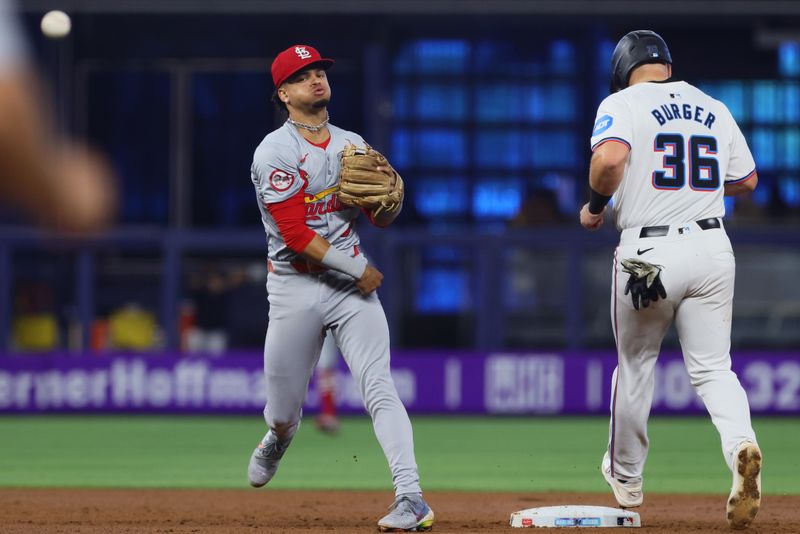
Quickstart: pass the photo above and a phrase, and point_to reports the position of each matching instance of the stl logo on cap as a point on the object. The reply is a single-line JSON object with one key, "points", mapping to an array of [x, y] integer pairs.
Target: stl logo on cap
{"points": [[294, 59], [301, 52]]}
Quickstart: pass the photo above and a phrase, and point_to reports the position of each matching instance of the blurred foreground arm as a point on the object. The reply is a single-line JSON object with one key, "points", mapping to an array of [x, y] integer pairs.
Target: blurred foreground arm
{"points": [[60, 185]]}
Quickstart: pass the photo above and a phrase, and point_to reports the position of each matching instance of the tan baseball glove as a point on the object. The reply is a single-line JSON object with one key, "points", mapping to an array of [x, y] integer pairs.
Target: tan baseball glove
{"points": [[362, 184]]}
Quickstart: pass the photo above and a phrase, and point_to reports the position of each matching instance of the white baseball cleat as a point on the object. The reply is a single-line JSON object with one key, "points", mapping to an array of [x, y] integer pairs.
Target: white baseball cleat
{"points": [[628, 493], [745, 497], [408, 513], [265, 459]]}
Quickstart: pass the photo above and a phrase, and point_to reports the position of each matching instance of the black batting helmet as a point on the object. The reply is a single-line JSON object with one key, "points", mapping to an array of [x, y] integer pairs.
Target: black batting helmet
{"points": [[636, 48]]}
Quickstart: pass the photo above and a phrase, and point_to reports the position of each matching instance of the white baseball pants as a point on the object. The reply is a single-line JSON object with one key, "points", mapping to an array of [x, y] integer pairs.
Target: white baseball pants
{"points": [[698, 275]]}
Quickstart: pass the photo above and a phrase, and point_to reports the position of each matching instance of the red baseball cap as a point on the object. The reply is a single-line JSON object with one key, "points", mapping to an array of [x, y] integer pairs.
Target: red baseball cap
{"points": [[295, 58]]}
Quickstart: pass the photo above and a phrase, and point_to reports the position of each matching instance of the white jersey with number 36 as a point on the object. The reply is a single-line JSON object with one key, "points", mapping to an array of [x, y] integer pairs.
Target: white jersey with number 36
{"points": [[684, 146]]}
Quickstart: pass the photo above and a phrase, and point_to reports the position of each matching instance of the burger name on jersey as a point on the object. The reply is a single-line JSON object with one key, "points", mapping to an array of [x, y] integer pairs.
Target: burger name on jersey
{"points": [[670, 112]]}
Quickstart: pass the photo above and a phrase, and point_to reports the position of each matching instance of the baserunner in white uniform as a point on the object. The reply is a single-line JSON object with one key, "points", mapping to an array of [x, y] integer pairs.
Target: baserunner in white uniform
{"points": [[668, 152], [319, 281]]}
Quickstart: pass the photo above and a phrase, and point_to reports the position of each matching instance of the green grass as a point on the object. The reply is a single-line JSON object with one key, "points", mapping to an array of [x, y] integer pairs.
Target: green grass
{"points": [[470, 454]]}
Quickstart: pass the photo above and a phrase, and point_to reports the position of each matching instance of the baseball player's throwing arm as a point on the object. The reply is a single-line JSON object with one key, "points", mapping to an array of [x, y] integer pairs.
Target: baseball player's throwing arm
{"points": [[320, 251], [605, 173], [290, 218]]}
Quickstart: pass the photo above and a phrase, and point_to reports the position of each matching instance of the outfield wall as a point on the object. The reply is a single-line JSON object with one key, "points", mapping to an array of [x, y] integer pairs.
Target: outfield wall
{"points": [[445, 382]]}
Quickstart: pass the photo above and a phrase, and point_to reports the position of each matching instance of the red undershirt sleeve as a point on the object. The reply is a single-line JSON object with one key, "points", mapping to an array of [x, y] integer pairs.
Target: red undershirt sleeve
{"points": [[290, 216]]}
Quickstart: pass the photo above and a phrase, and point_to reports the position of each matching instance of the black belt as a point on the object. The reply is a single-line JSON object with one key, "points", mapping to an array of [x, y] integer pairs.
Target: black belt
{"points": [[660, 231]]}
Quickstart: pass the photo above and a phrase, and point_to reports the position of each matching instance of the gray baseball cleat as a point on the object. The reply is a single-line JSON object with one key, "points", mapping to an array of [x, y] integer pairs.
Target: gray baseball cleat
{"points": [[629, 492], [745, 498], [265, 459], [408, 513]]}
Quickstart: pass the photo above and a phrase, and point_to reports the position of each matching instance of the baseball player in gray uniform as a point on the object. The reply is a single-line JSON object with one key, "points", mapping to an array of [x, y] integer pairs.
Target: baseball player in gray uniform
{"points": [[319, 281], [668, 152]]}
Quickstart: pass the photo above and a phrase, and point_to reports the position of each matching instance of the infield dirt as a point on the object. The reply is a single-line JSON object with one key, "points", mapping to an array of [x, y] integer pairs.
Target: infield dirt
{"points": [[281, 511]]}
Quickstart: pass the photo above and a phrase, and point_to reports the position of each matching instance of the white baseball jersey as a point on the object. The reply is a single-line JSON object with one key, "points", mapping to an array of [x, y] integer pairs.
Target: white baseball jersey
{"points": [[286, 162], [684, 146], [695, 143]]}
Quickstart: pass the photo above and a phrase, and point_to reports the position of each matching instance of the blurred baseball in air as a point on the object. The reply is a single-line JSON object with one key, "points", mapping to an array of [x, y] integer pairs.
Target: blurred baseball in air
{"points": [[56, 24]]}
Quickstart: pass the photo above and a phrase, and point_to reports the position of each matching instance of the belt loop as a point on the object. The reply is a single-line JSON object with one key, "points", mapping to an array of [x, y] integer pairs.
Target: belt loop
{"points": [[708, 224], [654, 231]]}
